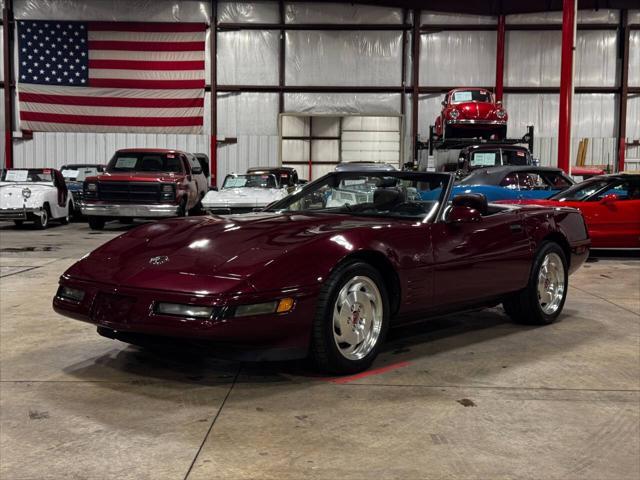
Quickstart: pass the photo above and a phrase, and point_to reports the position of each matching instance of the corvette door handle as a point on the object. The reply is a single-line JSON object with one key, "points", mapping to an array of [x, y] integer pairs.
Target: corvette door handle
{"points": [[515, 228]]}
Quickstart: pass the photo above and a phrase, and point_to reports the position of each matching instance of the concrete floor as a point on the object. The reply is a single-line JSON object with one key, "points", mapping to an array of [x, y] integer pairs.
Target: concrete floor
{"points": [[468, 396]]}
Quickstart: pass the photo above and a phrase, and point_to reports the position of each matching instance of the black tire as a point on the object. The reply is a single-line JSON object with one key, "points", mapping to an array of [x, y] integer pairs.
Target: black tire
{"points": [[182, 209], [18, 223], [324, 348], [42, 221], [66, 219], [126, 220], [96, 223], [525, 306]]}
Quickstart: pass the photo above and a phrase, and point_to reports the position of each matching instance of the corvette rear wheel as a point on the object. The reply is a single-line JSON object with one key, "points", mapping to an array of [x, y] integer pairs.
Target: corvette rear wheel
{"points": [[542, 301], [351, 320]]}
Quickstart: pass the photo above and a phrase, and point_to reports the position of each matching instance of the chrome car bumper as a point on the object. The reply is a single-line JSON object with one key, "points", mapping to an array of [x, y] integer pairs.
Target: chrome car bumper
{"points": [[19, 213], [464, 121], [129, 210]]}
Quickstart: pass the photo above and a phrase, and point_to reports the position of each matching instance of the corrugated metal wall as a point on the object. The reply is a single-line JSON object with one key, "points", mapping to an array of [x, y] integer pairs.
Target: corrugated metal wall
{"points": [[357, 58]]}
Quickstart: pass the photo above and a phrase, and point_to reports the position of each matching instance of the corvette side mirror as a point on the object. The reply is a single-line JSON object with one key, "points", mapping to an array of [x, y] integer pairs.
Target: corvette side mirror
{"points": [[610, 198], [459, 214]]}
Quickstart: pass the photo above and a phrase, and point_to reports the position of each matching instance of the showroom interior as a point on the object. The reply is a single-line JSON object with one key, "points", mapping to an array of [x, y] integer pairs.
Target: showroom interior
{"points": [[308, 97]]}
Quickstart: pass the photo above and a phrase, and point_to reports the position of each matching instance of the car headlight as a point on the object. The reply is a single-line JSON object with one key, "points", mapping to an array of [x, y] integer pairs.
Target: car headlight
{"points": [[277, 306], [68, 293], [180, 310], [501, 113], [454, 114], [26, 193]]}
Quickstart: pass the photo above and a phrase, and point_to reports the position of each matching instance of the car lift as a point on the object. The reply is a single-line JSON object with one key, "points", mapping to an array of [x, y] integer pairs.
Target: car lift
{"points": [[459, 143]]}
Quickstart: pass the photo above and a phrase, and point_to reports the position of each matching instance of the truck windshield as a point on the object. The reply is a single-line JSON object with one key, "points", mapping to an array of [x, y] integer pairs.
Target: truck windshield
{"points": [[145, 162]]}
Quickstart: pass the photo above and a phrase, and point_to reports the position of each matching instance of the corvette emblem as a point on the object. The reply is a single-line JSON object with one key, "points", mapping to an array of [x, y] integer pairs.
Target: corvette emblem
{"points": [[158, 260]]}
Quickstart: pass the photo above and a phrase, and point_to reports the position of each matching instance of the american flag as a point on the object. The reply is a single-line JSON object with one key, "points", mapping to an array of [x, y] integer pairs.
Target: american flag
{"points": [[111, 76]]}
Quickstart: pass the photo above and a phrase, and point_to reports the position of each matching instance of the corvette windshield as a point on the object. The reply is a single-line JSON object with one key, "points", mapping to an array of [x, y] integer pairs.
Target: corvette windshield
{"points": [[28, 175], [250, 181], [581, 191], [386, 194]]}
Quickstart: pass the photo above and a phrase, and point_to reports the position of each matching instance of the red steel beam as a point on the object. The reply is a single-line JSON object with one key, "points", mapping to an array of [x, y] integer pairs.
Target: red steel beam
{"points": [[566, 83], [7, 45], [500, 58]]}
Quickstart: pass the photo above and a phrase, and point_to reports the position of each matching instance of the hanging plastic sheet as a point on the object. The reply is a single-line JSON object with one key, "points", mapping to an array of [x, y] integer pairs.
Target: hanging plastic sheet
{"points": [[308, 12], [594, 115], [248, 12], [633, 17], [533, 60], [458, 58], [633, 117], [540, 110], [602, 15], [114, 10], [429, 108], [248, 57], [247, 113], [458, 18], [634, 58], [372, 58], [343, 103]]}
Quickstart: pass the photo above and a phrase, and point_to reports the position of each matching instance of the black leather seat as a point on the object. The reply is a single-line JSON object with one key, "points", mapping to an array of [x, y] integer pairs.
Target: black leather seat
{"points": [[388, 198]]}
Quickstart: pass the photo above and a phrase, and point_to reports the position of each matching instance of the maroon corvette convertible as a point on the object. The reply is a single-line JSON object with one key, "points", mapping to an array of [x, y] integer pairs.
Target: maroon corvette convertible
{"points": [[326, 271]]}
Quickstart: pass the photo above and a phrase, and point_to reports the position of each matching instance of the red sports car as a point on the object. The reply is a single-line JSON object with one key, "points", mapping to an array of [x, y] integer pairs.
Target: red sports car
{"points": [[471, 112], [610, 205], [327, 270]]}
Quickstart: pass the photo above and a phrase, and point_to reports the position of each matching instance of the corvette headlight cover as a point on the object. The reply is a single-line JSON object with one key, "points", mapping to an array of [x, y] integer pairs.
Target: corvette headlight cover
{"points": [[68, 293], [181, 310], [277, 306]]}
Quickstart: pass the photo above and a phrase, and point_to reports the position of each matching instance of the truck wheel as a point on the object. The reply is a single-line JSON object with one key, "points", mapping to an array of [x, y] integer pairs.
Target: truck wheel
{"points": [[351, 320], [542, 300], [182, 210], [96, 223], [42, 221], [67, 218]]}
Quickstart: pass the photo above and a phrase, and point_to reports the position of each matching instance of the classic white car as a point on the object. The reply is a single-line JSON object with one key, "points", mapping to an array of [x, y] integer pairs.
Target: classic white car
{"points": [[34, 194], [244, 193]]}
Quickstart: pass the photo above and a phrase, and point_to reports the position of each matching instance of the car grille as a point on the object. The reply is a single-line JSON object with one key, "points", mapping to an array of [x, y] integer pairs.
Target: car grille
{"points": [[129, 192]]}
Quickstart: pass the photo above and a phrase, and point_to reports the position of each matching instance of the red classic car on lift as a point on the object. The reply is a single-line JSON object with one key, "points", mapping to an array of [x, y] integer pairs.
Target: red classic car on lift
{"points": [[610, 205], [327, 270], [471, 112]]}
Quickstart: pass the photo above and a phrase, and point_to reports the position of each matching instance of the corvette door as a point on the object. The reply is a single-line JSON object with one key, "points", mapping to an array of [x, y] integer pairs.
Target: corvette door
{"points": [[481, 259], [613, 215]]}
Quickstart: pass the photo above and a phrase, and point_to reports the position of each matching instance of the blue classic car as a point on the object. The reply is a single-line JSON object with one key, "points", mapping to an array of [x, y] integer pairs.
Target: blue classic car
{"points": [[514, 182], [74, 176]]}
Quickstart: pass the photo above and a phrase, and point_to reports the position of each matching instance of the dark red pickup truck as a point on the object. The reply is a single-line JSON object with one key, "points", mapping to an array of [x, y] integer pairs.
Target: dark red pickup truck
{"points": [[145, 183]]}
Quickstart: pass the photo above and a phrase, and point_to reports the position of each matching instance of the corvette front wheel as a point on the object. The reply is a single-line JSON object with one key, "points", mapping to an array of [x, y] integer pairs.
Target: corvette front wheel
{"points": [[351, 320]]}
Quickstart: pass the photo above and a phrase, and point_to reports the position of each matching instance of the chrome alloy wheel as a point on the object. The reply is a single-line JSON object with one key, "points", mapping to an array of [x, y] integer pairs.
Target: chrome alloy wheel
{"points": [[357, 317], [551, 283]]}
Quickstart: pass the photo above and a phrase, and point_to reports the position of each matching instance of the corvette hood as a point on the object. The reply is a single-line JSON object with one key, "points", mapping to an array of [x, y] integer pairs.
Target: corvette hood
{"points": [[246, 197], [207, 254]]}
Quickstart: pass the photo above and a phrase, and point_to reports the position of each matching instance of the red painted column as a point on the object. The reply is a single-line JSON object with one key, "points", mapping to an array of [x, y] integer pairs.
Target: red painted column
{"points": [[500, 58], [566, 83]]}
